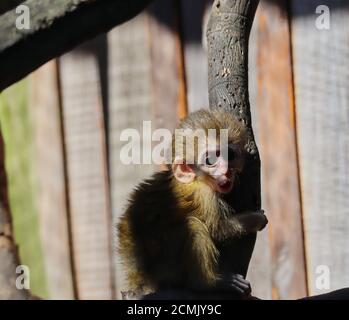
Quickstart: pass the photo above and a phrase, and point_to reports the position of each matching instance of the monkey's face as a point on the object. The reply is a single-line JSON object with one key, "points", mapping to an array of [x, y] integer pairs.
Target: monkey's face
{"points": [[216, 168], [209, 149]]}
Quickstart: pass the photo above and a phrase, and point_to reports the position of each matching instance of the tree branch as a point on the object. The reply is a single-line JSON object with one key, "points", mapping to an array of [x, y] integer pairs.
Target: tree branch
{"points": [[227, 37], [55, 27]]}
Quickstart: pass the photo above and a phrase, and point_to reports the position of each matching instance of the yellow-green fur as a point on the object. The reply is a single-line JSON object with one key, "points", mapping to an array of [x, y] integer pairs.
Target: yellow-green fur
{"points": [[169, 232]]}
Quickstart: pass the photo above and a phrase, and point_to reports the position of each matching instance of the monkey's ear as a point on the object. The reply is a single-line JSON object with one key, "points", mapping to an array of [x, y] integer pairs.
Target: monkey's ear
{"points": [[182, 171]]}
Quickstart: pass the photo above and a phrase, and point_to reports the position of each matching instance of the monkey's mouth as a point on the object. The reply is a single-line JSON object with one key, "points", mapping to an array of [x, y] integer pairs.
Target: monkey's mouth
{"points": [[225, 187]]}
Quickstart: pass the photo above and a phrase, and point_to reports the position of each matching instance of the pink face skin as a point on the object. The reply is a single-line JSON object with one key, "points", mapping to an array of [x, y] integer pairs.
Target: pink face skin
{"points": [[224, 183], [216, 171], [220, 175]]}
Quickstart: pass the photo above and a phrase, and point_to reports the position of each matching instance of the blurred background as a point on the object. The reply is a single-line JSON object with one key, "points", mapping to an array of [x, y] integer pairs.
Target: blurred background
{"points": [[62, 125]]}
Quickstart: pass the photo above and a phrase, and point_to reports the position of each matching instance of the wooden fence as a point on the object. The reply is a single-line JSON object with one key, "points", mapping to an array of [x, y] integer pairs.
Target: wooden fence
{"points": [[154, 68]]}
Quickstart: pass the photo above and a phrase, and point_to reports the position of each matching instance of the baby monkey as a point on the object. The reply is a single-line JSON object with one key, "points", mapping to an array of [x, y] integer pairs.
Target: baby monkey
{"points": [[169, 233]]}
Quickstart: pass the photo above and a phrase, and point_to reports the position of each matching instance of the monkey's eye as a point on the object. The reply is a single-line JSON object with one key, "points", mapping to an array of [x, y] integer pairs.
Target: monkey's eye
{"points": [[231, 154], [212, 157]]}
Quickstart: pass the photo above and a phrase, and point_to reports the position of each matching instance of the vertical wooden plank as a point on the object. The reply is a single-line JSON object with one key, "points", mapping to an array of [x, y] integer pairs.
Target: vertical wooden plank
{"points": [[84, 135], [321, 59], [276, 131], [8, 250], [17, 129], [51, 194], [260, 271], [167, 71], [275, 114], [194, 15], [130, 102], [146, 83]]}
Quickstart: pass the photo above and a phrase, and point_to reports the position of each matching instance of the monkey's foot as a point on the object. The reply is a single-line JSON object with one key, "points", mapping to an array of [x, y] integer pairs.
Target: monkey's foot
{"points": [[236, 285], [241, 285]]}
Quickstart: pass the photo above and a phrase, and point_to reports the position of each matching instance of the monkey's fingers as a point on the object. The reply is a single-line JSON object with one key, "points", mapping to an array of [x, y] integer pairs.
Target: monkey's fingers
{"points": [[241, 285], [237, 289], [244, 285]]}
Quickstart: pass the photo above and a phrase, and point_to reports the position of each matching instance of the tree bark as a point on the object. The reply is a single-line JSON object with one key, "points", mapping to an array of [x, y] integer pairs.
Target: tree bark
{"points": [[55, 27], [8, 251], [227, 37]]}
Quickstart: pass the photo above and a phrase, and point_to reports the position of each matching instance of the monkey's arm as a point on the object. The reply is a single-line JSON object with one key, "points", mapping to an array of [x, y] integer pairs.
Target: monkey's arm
{"points": [[253, 221], [239, 224], [244, 223]]}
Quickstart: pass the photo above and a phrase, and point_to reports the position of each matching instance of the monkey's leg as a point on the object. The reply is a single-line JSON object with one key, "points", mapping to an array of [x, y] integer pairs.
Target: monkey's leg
{"points": [[205, 254], [232, 286]]}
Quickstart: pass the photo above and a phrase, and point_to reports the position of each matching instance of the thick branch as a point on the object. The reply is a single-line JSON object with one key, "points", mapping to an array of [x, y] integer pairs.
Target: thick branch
{"points": [[56, 27], [227, 37], [227, 34]]}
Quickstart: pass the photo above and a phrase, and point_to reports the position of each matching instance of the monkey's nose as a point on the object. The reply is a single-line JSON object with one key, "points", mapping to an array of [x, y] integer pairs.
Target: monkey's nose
{"points": [[229, 173]]}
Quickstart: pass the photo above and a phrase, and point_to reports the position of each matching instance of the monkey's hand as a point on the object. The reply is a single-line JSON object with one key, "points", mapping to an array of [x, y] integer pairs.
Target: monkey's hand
{"points": [[252, 221], [236, 284], [261, 220]]}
